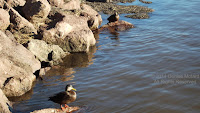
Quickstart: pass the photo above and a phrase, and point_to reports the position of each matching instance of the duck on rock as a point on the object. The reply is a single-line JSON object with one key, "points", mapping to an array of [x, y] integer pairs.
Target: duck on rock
{"points": [[113, 18], [64, 97]]}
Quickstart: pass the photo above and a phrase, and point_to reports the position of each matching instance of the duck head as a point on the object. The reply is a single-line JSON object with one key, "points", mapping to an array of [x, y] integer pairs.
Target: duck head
{"points": [[69, 88]]}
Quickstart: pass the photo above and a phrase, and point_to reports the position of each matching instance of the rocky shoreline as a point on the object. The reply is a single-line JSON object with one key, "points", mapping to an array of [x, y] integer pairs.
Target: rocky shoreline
{"points": [[35, 34]]}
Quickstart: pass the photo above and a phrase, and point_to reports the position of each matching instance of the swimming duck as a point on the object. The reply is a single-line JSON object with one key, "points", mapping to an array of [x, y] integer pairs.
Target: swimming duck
{"points": [[64, 97], [113, 18]]}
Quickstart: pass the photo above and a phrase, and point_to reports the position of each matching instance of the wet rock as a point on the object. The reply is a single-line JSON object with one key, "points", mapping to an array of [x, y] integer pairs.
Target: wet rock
{"points": [[4, 103], [146, 2], [17, 66], [36, 11], [53, 110], [117, 26], [4, 19], [79, 39], [46, 52], [94, 18], [138, 16]]}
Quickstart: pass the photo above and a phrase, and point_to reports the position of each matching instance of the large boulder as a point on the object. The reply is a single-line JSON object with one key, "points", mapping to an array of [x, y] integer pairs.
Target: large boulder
{"points": [[4, 103], [78, 39], [57, 29], [46, 52], [36, 11], [17, 65], [94, 18], [4, 19]]}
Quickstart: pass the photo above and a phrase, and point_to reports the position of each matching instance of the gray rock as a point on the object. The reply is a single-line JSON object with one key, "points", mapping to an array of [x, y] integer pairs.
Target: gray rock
{"points": [[46, 52], [17, 66], [36, 11], [4, 19], [4, 103]]}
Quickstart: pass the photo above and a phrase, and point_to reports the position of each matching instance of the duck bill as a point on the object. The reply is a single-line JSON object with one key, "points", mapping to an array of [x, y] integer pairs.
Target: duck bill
{"points": [[74, 89]]}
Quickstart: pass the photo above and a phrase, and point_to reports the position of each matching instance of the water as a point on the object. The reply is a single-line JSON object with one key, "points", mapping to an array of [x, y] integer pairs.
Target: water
{"points": [[152, 68]]}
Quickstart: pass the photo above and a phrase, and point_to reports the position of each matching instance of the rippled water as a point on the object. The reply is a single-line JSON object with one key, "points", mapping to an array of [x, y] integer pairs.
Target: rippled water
{"points": [[152, 68]]}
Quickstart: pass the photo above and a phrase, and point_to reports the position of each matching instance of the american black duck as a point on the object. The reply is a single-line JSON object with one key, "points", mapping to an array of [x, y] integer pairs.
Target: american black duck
{"points": [[64, 97], [113, 18]]}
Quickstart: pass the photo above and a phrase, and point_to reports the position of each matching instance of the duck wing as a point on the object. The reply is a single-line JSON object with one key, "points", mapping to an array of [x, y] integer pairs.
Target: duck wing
{"points": [[59, 97]]}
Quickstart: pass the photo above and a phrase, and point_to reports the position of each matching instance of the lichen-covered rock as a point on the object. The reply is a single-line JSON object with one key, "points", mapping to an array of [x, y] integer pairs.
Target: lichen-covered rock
{"points": [[4, 19], [46, 52], [36, 10], [4, 103], [79, 39], [94, 18], [17, 66]]}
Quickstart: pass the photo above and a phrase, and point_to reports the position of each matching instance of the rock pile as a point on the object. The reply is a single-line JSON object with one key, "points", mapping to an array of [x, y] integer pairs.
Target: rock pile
{"points": [[36, 31]]}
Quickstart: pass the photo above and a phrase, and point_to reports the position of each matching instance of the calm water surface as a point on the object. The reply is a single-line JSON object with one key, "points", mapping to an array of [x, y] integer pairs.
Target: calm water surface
{"points": [[152, 68]]}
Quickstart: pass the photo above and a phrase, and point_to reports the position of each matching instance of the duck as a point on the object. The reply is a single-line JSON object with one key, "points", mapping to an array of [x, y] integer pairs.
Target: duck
{"points": [[65, 97], [113, 18]]}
